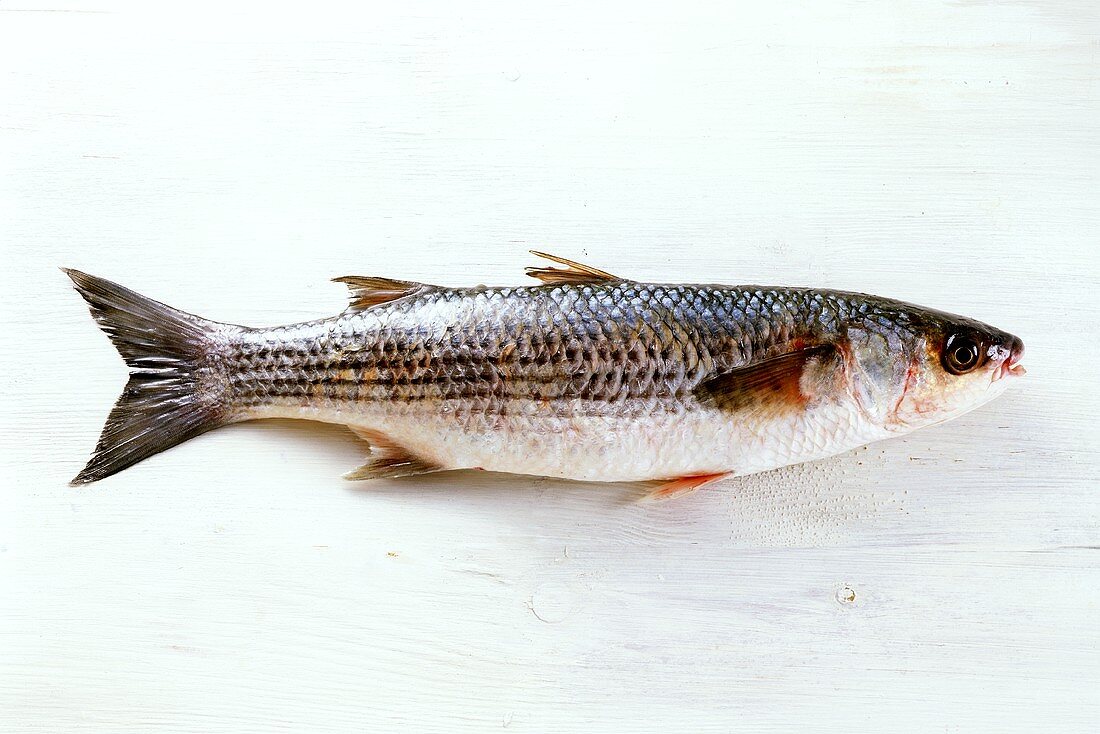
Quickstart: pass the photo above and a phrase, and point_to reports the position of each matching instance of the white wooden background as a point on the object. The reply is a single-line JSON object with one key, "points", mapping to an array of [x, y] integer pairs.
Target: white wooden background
{"points": [[230, 158]]}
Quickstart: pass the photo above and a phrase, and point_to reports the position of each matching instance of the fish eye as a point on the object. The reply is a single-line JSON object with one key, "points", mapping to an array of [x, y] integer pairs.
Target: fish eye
{"points": [[961, 354]]}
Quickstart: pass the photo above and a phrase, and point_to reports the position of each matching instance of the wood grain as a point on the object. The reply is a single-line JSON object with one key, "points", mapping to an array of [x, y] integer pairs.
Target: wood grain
{"points": [[230, 160]]}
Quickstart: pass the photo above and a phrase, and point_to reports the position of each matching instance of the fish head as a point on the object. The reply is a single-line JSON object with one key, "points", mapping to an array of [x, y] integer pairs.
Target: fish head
{"points": [[913, 367]]}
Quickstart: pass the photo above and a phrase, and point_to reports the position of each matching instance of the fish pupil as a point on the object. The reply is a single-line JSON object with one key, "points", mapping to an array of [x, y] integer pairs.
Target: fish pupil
{"points": [[965, 355]]}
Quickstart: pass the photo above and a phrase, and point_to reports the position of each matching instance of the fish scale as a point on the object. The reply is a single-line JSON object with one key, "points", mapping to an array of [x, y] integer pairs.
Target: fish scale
{"points": [[496, 343], [538, 379], [587, 376]]}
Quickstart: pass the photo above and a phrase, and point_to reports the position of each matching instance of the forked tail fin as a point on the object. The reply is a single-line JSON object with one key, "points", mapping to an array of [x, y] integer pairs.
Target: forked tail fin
{"points": [[173, 392]]}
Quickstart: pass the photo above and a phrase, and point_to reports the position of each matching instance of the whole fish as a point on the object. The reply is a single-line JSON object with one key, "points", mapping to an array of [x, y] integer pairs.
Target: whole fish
{"points": [[586, 376]]}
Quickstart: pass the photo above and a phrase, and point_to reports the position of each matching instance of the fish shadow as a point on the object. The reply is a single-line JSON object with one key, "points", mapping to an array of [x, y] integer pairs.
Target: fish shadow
{"points": [[329, 444], [815, 504]]}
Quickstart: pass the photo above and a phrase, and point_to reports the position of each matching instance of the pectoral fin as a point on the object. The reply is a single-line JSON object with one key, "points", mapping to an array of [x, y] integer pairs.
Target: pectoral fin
{"points": [[388, 459], [787, 380]]}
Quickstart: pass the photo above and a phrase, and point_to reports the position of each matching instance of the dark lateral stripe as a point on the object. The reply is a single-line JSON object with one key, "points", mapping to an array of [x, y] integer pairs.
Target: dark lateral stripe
{"points": [[504, 406], [485, 375], [351, 389]]}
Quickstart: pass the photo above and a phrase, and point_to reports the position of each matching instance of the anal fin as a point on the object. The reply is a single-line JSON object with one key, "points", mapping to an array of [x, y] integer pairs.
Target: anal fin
{"points": [[388, 459], [680, 486]]}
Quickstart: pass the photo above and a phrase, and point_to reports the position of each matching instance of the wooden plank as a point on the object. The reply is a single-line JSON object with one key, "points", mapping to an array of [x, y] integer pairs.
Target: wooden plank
{"points": [[231, 160]]}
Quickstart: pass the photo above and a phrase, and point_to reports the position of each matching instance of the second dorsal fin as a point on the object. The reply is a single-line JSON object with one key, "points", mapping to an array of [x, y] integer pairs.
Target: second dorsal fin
{"points": [[573, 272], [370, 290]]}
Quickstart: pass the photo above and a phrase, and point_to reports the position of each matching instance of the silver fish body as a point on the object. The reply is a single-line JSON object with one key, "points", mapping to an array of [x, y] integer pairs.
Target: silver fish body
{"points": [[592, 377]]}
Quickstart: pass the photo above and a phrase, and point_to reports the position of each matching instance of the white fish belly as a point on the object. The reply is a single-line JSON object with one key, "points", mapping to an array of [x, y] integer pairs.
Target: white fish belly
{"points": [[611, 448]]}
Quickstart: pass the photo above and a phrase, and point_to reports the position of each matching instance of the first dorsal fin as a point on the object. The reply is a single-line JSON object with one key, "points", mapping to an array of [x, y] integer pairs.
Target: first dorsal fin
{"points": [[573, 272], [370, 290]]}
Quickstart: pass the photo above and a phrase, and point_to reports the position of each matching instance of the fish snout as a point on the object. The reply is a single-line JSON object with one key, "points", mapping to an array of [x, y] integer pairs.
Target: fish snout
{"points": [[1014, 348]]}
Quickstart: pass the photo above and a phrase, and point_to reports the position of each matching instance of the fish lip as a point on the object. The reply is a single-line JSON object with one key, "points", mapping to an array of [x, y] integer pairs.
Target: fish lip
{"points": [[1006, 369]]}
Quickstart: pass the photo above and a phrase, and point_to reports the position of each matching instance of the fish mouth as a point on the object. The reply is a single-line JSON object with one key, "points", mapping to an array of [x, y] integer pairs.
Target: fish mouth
{"points": [[1011, 366]]}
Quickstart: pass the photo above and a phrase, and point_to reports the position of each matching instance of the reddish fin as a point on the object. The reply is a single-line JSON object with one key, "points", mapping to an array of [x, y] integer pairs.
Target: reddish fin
{"points": [[388, 459], [682, 485], [368, 290], [773, 382], [572, 273]]}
